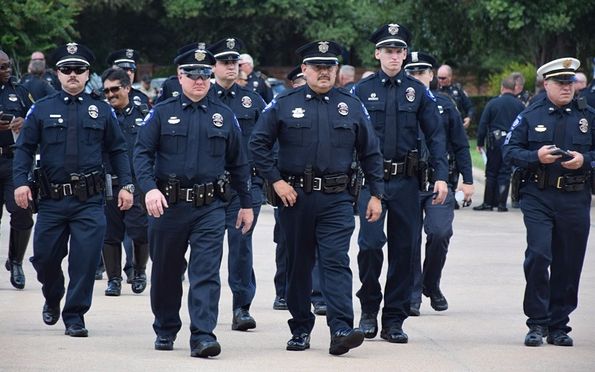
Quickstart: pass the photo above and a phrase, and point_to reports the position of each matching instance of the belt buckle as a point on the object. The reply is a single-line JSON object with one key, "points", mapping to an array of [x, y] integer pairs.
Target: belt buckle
{"points": [[67, 189], [1, 150], [189, 197], [394, 167], [317, 184], [558, 181]]}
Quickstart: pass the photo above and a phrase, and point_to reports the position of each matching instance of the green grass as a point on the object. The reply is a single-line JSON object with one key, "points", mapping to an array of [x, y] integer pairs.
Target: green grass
{"points": [[475, 155]]}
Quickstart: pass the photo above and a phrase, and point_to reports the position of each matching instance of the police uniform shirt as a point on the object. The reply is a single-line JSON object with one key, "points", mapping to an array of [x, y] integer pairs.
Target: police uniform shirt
{"points": [[137, 97], [130, 119], [295, 117], [46, 125], [15, 100], [589, 94], [256, 82], [245, 104], [204, 136], [38, 87], [170, 88], [542, 123], [416, 108], [461, 98], [498, 114]]}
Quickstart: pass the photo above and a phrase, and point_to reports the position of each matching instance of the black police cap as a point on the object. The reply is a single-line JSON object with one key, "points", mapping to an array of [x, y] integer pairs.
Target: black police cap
{"points": [[417, 61], [320, 53], [391, 35], [192, 46], [194, 59], [296, 73], [124, 58], [73, 54], [227, 49]]}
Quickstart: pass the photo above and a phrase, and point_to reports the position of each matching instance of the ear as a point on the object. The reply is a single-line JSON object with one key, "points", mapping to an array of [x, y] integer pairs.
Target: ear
{"points": [[377, 52]]}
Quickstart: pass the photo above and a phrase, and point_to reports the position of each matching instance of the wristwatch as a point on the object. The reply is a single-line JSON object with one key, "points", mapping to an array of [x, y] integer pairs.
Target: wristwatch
{"points": [[130, 188], [378, 196]]}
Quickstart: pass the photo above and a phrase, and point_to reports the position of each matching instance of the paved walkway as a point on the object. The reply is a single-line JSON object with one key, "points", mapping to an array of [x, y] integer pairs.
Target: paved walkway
{"points": [[482, 330]]}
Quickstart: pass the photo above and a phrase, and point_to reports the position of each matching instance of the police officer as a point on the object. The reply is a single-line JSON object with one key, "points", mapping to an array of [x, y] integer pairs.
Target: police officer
{"points": [[48, 75], [181, 154], [126, 60], [256, 79], [494, 124], [457, 93], [318, 128], [554, 142], [71, 129], [35, 82], [116, 88], [15, 101], [438, 218], [398, 105], [247, 106], [296, 77]]}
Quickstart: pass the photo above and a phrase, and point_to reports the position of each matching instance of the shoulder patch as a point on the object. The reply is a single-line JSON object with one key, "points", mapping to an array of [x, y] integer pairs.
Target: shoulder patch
{"points": [[30, 111], [430, 95], [148, 116]]}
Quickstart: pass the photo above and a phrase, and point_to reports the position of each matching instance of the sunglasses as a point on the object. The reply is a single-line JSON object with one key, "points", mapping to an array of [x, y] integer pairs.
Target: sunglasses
{"points": [[442, 78], [112, 90], [6, 66], [67, 70], [195, 75]]}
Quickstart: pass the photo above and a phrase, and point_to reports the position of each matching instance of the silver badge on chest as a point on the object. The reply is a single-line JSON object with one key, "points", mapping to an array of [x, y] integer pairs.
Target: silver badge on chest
{"points": [[583, 125], [410, 94], [93, 111], [373, 97], [246, 102], [343, 108], [175, 93], [540, 128], [298, 112], [217, 120], [173, 120]]}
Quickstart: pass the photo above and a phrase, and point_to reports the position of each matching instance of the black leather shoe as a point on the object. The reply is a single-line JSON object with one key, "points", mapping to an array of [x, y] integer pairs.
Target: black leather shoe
{"points": [[299, 343], [99, 274], [437, 300], [17, 276], [344, 340], [129, 271], [414, 310], [320, 308], [483, 207], [535, 336], [164, 343], [280, 303], [242, 320], [369, 324], [394, 335], [206, 349], [559, 338], [139, 282], [76, 331], [50, 314], [114, 287], [502, 209]]}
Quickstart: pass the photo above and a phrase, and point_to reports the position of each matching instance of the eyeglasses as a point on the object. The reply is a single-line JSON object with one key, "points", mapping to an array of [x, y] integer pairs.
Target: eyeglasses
{"points": [[442, 78], [67, 70], [112, 90], [6, 66], [196, 76]]}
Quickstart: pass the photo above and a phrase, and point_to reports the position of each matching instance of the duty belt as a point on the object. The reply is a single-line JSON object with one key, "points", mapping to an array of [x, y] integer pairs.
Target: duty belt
{"points": [[564, 182], [198, 194], [82, 186], [393, 169], [328, 184]]}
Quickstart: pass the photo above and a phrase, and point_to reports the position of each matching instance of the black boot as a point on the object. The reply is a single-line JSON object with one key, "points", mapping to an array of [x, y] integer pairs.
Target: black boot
{"points": [[112, 259], [503, 197], [114, 286], [139, 260], [19, 239], [488, 198]]}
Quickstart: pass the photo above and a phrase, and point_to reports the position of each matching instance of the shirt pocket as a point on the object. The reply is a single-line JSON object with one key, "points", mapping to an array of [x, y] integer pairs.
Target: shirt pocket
{"points": [[407, 116], [217, 141], [54, 131], [247, 121], [542, 134], [173, 139], [296, 132], [93, 131], [377, 115], [343, 134]]}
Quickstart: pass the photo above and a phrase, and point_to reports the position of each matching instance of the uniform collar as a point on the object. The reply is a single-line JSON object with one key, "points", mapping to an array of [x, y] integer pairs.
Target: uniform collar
{"points": [[68, 98], [310, 94], [187, 102], [220, 91], [127, 110], [384, 78], [551, 108]]}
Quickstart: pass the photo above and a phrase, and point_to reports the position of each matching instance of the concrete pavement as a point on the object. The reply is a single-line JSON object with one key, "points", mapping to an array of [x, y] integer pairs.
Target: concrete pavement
{"points": [[483, 329]]}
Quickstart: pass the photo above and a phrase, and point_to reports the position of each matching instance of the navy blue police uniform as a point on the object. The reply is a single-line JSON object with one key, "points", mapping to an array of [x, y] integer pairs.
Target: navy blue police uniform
{"points": [[555, 202], [14, 100], [317, 135], [494, 124], [247, 106], [462, 100], [132, 222], [396, 121], [589, 93], [126, 60], [183, 149], [38, 87], [437, 219], [71, 133]]}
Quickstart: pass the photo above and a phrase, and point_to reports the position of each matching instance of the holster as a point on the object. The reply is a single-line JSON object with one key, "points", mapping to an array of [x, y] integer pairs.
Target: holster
{"points": [[412, 163], [308, 179], [172, 190], [272, 197], [223, 188], [453, 172], [519, 176], [79, 182], [356, 180], [199, 192]]}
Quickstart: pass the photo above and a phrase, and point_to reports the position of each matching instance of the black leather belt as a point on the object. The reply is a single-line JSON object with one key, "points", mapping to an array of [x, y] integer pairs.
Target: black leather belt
{"points": [[392, 169], [60, 190], [198, 195], [328, 184]]}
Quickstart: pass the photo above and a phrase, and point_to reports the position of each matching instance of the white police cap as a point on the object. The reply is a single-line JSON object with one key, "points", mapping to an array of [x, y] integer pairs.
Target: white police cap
{"points": [[561, 69]]}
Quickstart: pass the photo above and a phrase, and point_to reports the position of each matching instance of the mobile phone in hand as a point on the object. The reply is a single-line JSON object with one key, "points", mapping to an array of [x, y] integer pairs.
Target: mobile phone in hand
{"points": [[566, 156], [6, 118]]}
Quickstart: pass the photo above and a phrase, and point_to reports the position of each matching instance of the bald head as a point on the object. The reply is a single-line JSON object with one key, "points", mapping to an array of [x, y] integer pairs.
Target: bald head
{"points": [[444, 76], [346, 75], [37, 56]]}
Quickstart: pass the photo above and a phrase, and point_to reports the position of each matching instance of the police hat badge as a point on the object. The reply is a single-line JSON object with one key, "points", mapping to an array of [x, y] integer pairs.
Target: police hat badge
{"points": [[71, 48], [410, 94], [343, 108], [200, 55], [393, 28], [93, 111], [583, 125], [231, 43], [246, 102], [217, 120], [323, 46], [129, 53]]}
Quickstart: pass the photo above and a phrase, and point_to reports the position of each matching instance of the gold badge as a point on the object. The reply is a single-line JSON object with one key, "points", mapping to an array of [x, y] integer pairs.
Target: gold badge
{"points": [[567, 63], [246, 102], [343, 108], [231, 43], [93, 111], [583, 125], [540, 128], [410, 94], [129, 53], [173, 120], [200, 55], [323, 46], [71, 48], [298, 112], [393, 29], [217, 120]]}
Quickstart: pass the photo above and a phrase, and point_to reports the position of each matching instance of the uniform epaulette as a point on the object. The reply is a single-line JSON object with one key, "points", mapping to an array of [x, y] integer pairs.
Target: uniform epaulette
{"points": [[49, 96], [247, 91], [289, 92], [344, 91], [166, 101]]}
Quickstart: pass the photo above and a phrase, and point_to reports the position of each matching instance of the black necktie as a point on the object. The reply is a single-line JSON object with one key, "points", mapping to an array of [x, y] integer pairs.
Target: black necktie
{"points": [[323, 152], [390, 126], [71, 160], [192, 142]]}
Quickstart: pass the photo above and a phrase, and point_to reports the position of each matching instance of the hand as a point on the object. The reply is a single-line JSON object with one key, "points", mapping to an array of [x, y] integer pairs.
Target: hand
{"points": [[4, 125], [22, 195], [468, 191], [287, 193], [545, 156], [125, 200], [155, 203], [374, 209], [17, 124], [440, 190], [466, 122], [576, 162], [245, 219]]}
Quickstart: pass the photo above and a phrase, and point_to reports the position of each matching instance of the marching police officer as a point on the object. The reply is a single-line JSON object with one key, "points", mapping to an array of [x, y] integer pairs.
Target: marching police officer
{"points": [[15, 101], [494, 124], [116, 88], [71, 129], [457, 93], [182, 151], [126, 60], [256, 80], [553, 142], [318, 128], [247, 106], [438, 218], [399, 105]]}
